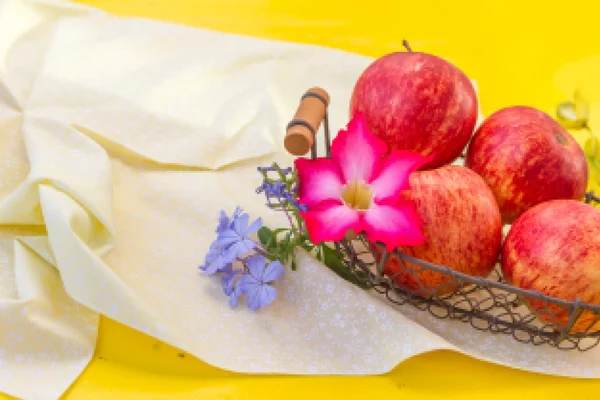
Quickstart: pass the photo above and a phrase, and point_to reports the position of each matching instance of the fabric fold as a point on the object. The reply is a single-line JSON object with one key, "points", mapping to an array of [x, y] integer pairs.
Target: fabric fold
{"points": [[45, 335]]}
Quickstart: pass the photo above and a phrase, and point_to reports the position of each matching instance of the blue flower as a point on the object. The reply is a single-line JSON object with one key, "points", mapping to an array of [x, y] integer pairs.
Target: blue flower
{"points": [[278, 190], [255, 283], [285, 171], [217, 259], [272, 189], [232, 241], [231, 246], [236, 238], [225, 222], [230, 285]]}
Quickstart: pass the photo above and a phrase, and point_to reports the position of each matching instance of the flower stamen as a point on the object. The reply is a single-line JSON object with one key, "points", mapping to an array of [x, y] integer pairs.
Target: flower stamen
{"points": [[357, 195]]}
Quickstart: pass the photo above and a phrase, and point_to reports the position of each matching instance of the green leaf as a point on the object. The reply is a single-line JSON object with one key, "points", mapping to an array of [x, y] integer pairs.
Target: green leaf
{"points": [[286, 240], [307, 247], [278, 231], [265, 235], [331, 260]]}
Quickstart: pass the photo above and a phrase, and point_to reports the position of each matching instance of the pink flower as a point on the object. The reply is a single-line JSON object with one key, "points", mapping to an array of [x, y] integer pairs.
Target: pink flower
{"points": [[358, 189]]}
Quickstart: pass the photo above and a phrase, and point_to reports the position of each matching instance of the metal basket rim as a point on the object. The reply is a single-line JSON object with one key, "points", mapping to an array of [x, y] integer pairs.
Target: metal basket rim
{"points": [[481, 281], [556, 337]]}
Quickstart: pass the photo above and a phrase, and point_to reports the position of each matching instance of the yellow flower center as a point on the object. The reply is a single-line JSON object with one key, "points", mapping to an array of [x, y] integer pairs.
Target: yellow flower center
{"points": [[357, 195]]}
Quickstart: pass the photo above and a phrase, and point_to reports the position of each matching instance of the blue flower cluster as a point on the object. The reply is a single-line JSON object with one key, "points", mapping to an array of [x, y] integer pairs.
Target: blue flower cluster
{"points": [[234, 247], [280, 190]]}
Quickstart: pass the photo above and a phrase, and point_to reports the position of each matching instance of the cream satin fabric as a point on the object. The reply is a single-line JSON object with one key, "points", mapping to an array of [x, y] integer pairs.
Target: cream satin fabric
{"points": [[120, 140]]}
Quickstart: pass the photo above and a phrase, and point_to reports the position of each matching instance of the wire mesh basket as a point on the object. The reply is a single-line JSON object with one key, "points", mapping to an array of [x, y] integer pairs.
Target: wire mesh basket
{"points": [[488, 304]]}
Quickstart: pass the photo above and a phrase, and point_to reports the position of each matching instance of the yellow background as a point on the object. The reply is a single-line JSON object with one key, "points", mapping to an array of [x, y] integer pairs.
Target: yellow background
{"points": [[512, 49]]}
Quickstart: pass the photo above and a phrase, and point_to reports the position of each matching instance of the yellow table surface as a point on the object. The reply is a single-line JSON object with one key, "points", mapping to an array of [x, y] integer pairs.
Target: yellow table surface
{"points": [[511, 47]]}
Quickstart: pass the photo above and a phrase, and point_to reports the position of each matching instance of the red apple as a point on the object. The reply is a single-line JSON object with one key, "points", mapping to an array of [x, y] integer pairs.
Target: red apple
{"points": [[462, 225], [527, 158], [418, 102], [554, 248]]}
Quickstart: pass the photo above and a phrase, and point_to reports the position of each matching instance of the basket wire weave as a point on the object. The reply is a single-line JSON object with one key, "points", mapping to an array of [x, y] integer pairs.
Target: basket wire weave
{"points": [[487, 304]]}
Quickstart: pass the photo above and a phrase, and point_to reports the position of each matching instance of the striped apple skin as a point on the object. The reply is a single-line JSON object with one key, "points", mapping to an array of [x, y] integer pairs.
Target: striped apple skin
{"points": [[417, 102], [554, 248], [527, 158], [461, 224]]}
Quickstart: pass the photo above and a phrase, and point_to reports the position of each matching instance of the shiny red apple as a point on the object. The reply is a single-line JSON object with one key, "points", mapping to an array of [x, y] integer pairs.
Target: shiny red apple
{"points": [[462, 225], [527, 158], [554, 248], [418, 102]]}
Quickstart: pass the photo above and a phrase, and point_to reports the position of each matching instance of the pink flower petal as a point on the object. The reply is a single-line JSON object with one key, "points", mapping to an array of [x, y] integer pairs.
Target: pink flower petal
{"points": [[356, 151], [397, 225], [394, 173], [330, 221], [320, 180]]}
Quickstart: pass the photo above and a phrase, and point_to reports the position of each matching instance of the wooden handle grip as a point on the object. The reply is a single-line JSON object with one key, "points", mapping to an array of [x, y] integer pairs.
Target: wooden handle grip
{"points": [[301, 131]]}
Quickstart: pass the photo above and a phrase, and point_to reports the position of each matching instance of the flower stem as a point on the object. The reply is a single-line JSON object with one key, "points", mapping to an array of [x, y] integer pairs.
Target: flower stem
{"points": [[260, 250], [287, 214]]}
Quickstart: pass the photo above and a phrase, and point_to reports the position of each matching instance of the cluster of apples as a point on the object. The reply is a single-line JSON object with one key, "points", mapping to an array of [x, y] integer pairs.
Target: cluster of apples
{"points": [[522, 171]]}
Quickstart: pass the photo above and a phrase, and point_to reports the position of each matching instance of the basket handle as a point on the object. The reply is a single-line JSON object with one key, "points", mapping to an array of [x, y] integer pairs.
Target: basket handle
{"points": [[301, 131]]}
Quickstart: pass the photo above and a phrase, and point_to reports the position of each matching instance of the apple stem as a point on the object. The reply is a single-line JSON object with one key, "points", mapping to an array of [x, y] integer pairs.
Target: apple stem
{"points": [[591, 196], [406, 45]]}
